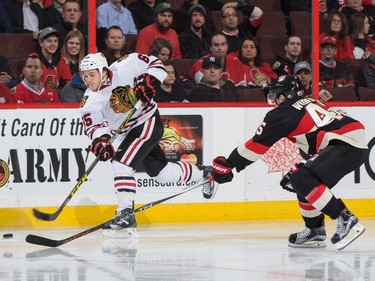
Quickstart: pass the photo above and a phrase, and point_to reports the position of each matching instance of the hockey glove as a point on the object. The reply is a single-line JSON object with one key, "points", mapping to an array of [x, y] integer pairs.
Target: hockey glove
{"points": [[145, 87], [285, 181], [222, 170], [101, 147]]}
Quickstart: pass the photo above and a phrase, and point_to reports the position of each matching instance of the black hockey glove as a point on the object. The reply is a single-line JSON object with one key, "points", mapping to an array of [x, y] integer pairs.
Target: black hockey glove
{"points": [[222, 170], [145, 87], [101, 147], [285, 181]]}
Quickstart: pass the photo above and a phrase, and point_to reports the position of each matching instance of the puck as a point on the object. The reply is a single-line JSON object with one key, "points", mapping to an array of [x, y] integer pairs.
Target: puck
{"points": [[7, 235]]}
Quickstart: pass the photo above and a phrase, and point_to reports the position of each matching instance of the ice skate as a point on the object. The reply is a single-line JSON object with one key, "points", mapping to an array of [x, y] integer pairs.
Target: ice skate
{"points": [[308, 238], [209, 189], [347, 229], [124, 226]]}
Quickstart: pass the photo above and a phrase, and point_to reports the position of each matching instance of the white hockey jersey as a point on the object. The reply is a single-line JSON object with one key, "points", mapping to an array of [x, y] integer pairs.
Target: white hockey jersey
{"points": [[96, 114]]}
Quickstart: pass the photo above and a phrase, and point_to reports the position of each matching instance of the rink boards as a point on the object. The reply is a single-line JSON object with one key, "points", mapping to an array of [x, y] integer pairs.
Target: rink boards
{"points": [[44, 152]]}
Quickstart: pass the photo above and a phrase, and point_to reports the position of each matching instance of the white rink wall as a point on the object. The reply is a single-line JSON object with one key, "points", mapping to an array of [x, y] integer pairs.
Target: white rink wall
{"points": [[45, 151]]}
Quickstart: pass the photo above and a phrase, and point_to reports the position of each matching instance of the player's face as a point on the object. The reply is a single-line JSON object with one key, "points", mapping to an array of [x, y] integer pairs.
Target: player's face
{"points": [[91, 79], [293, 48], [328, 51], [115, 40], [197, 19], [33, 70], [219, 46], [164, 20], [73, 46], [249, 50], [50, 44], [171, 75]]}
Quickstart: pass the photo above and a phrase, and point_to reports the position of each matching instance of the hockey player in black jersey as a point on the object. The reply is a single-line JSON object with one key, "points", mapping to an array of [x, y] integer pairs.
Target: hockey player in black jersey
{"points": [[336, 145]]}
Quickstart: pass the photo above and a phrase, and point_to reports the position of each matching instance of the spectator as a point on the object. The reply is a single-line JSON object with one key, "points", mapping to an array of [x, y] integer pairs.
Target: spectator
{"points": [[332, 73], [71, 15], [182, 18], [113, 13], [5, 24], [143, 12], [6, 76], [219, 49], [257, 73], [26, 16], [31, 89], [284, 64], [115, 44], [56, 71], [169, 90], [366, 77], [161, 48], [194, 41], [73, 50], [54, 12], [358, 31], [236, 31], [356, 6], [5, 96], [74, 90], [338, 28], [302, 69], [212, 88], [160, 29]]}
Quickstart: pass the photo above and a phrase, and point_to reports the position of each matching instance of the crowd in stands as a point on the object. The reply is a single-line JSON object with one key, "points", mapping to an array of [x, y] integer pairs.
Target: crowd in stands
{"points": [[224, 46]]}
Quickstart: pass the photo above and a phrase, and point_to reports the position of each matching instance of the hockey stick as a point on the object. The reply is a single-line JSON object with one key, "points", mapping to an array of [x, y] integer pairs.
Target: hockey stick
{"points": [[51, 217], [38, 240]]}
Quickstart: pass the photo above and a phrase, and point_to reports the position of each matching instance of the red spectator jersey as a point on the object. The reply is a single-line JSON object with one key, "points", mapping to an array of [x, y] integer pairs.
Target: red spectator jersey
{"points": [[24, 93], [259, 77], [148, 34], [51, 75], [5, 96], [341, 52]]}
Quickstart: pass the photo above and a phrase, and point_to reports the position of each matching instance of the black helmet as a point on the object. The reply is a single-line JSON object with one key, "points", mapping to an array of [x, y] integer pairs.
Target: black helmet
{"points": [[289, 85]]}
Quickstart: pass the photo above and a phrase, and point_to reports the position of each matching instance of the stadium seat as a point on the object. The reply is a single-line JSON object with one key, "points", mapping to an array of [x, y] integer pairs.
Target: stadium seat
{"points": [[301, 22], [271, 46], [366, 94], [16, 45], [131, 42], [273, 24], [252, 95], [183, 66], [16, 66], [216, 19], [306, 47], [266, 5], [343, 94], [354, 66]]}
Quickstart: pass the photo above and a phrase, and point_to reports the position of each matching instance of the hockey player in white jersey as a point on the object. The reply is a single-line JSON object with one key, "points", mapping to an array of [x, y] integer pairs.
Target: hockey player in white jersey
{"points": [[112, 92]]}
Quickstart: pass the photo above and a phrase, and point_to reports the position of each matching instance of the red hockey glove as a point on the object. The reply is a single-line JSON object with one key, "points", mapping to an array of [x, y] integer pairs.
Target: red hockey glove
{"points": [[285, 181], [222, 170], [145, 87], [100, 147]]}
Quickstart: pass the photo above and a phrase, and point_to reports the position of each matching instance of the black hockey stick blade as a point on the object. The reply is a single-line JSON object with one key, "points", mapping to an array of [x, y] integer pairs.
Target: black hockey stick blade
{"points": [[42, 241], [51, 217]]}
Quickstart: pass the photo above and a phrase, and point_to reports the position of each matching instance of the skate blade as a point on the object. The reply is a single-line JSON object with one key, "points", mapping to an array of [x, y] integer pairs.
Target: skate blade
{"points": [[311, 244], [214, 190], [130, 233], [354, 233]]}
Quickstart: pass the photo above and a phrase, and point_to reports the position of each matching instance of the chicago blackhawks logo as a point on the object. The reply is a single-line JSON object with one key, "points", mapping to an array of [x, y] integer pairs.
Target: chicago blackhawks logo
{"points": [[4, 173], [83, 101], [122, 99]]}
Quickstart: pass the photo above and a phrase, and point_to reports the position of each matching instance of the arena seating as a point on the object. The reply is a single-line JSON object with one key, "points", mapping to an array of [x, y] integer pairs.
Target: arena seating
{"points": [[343, 94], [366, 94], [300, 23]]}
